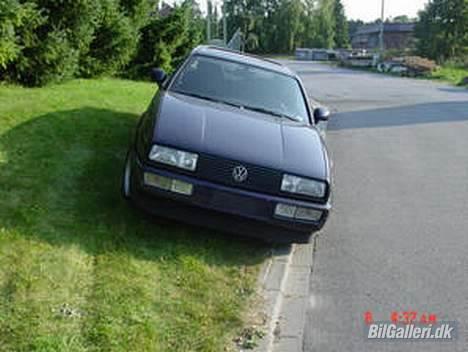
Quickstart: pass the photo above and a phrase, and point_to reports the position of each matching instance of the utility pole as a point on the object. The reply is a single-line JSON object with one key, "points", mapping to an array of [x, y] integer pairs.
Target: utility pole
{"points": [[224, 23], [382, 28], [208, 21]]}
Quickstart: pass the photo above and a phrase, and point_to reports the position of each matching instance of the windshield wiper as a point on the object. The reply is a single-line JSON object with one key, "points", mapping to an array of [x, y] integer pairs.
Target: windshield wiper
{"points": [[204, 97], [271, 112], [238, 105]]}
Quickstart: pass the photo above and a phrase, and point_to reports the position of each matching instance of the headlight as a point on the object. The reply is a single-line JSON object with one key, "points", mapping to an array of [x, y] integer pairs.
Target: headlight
{"points": [[174, 157], [299, 185]]}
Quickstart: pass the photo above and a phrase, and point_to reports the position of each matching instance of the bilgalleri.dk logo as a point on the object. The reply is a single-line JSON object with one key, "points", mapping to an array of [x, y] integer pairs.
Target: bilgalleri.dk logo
{"points": [[390, 331], [409, 325]]}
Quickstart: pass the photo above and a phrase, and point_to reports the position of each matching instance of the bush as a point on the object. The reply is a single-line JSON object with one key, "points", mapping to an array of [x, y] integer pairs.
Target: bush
{"points": [[11, 17], [442, 30], [114, 43], [54, 60], [18, 23], [48, 39], [139, 11], [165, 41], [44, 41], [53, 40], [461, 62]]}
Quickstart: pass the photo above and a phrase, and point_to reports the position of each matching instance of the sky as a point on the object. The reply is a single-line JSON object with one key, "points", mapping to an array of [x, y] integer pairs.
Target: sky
{"points": [[366, 10], [369, 10]]}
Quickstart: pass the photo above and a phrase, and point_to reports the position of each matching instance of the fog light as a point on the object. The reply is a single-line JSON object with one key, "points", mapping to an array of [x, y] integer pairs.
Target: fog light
{"points": [[182, 187], [157, 181], [293, 212], [168, 184], [284, 210], [308, 214]]}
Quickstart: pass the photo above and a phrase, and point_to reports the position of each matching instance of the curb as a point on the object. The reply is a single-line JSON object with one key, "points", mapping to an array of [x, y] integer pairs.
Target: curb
{"points": [[285, 288]]}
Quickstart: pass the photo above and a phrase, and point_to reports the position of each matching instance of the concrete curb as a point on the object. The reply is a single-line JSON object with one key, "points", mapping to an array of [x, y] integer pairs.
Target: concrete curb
{"points": [[285, 287]]}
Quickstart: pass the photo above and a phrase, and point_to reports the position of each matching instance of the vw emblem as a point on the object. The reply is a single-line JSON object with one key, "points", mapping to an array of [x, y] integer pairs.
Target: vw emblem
{"points": [[239, 173]]}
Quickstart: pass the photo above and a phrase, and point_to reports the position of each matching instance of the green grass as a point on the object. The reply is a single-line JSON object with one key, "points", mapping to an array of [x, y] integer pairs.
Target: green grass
{"points": [[452, 74], [79, 270]]}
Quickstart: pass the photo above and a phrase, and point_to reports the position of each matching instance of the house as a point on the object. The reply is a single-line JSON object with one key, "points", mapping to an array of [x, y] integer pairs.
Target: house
{"points": [[165, 10], [396, 36]]}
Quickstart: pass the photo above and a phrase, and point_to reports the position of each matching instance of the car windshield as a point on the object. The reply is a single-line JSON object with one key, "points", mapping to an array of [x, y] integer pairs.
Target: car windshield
{"points": [[242, 85]]}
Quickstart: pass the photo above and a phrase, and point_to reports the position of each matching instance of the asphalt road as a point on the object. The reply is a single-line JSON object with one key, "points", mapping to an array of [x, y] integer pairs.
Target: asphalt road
{"points": [[398, 237]]}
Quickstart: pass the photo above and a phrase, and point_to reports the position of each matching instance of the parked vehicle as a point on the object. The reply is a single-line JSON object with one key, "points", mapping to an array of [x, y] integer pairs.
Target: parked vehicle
{"points": [[408, 66], [230, 141]]}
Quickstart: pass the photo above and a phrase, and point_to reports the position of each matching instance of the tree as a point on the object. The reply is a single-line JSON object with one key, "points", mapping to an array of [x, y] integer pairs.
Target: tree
{"points": [[442, 30], [282, 25], [249, 16], [45, 41], [51, 40], [215, 23], [320, 31], [113, 44], [341, 26], [48, 39], [166, 40], [289, 24], [15, 18]]}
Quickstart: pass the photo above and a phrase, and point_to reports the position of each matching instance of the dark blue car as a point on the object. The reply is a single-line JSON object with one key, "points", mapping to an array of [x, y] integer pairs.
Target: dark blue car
{"points": [[230, 141]]}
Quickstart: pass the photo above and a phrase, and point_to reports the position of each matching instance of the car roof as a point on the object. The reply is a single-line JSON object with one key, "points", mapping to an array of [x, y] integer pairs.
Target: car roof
{"points": [[227, 54]]}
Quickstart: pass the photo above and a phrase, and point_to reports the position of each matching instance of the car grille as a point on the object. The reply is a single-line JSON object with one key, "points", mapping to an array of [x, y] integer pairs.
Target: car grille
{"points": [[219, 170]]}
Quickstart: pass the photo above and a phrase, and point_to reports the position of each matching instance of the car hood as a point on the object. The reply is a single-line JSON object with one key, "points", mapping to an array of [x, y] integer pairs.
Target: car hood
{"points": [[201, 126]]}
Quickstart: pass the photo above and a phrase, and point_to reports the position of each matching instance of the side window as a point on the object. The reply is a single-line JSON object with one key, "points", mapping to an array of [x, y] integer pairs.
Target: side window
{"points": [[170, 77]]}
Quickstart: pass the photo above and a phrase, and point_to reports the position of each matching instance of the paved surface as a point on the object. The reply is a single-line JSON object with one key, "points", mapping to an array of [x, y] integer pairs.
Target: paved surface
{"points": [[285, 283], [398, 239]]}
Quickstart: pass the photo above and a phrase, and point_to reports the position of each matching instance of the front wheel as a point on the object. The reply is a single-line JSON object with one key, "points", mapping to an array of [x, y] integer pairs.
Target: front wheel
{"points": [[127, 177]]}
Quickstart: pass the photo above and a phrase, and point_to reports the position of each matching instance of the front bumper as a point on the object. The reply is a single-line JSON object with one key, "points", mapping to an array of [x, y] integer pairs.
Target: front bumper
{"points": [[224, 208]]}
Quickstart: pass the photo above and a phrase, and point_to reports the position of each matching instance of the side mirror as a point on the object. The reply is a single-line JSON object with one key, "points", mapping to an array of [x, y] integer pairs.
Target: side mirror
{"points": [[158, 75], [321, 114]]}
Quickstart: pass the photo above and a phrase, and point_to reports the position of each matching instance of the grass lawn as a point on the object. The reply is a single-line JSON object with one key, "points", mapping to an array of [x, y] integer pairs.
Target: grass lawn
{"points": [[79, 270], [452, 74]]}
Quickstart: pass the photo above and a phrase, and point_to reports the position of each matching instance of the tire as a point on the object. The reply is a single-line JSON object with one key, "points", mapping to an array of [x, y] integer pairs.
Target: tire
{"points": [[126, 181]]}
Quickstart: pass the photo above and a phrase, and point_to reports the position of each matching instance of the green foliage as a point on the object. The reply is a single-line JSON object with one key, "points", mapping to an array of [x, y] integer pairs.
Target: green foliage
{"points": [[18, 26], [320, 24], [341, 26], [45, 41], [442, 30], [325, 25], [48, 37], [54, 60], [454, 72], [291, 12], [166, 41], [52, 40], [280, 26], [138, 11], [114, 42], [252, 19], [13, 17]]}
